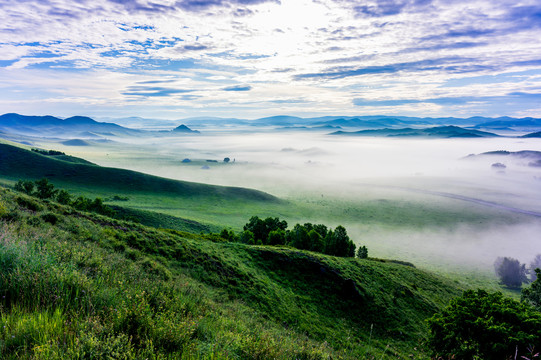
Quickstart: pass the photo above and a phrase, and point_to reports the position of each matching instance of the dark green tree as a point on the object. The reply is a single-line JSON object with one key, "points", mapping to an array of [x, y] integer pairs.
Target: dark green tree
{"points": [[44, 189], [277, 237], [63, 197], [362, 252], [228, 235], [82, 203], [261, 228], [321, 230], [247, 237], [316, 241], [532, 294], [25, 186], [257, 227], [510, 271], [535, 264], [298, 237], [481, 325], [338, 243]]}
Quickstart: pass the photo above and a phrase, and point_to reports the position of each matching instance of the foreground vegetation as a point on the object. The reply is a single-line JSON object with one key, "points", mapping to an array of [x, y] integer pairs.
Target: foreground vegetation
{"points": [[78, 284], [81, 279]]}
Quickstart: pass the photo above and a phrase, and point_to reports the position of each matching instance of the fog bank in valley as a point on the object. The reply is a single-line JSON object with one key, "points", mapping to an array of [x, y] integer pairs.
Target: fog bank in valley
{"points": [[301, 166]]}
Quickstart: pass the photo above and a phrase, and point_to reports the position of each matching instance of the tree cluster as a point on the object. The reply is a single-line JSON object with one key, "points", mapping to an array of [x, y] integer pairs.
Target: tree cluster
{"points": [[48, 152], [481, 325], [44, 190], [513, 274], [313, 237]]}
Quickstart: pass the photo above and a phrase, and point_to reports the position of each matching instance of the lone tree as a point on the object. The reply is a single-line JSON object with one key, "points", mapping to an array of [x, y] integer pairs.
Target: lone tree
{"points": [[510, 271]]}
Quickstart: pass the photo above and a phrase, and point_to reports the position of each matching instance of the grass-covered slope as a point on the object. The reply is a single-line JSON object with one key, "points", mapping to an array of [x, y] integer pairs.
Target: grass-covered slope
{"points": [[80, 285], [16, 162]]}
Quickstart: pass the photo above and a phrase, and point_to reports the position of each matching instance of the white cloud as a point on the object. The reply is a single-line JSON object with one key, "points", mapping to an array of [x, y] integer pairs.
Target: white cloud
{"points": [[139, 39]]}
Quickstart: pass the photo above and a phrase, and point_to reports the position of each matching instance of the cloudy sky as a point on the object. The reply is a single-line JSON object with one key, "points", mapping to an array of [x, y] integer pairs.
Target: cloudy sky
{"points": [[254, 58]]}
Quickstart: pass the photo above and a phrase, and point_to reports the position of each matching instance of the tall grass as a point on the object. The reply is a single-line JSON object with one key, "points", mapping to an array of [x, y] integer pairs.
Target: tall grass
{"points": [[89, 286]]}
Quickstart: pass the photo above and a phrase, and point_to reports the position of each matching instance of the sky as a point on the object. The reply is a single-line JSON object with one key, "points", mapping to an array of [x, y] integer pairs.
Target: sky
{"points": [[174, 59]]}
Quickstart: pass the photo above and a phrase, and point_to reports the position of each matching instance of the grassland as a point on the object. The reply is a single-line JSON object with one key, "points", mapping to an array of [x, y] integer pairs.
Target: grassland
{"points": [[377, 218], [80, 285], [215, 206]]}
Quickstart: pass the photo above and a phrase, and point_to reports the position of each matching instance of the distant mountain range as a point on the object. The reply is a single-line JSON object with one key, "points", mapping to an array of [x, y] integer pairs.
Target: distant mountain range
{"points": [[80, 127], [433, 132], [85, 128], [50, 126], [366, 122]]}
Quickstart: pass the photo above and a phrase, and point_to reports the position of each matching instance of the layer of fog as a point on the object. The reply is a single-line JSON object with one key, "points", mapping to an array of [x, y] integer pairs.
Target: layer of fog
{"points": [[463, 249], [299, 165]]}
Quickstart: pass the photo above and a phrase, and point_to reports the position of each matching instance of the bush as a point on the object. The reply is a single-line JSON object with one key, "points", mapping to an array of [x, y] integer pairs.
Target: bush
{"points": [[535, 264], [25, 186], [532, 294], [362, 252], [247, 237], [510, 271], [28, 204], [44, 189], [277, 237], [50, 218], [63, 197], [481, 325]]}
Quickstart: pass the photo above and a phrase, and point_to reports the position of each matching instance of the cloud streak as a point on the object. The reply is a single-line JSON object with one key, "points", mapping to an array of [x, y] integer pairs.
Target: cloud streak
{"points": [[336, 54]]}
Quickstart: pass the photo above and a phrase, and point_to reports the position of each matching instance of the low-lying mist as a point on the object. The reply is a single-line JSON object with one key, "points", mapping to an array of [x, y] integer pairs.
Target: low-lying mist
{"points": [[300, 166]]}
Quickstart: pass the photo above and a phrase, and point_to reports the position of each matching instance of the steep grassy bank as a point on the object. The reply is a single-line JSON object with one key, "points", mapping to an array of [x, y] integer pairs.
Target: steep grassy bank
{"points": [[76, 284]]}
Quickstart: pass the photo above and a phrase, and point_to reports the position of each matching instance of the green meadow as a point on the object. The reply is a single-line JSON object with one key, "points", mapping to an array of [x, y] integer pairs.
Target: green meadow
{"points": [[158, 282], [80, 285]]}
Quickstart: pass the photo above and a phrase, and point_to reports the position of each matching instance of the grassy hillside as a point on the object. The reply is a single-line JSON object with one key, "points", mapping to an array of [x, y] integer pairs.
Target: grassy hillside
{"points": [[16, 162], [201, 202], [215, 206], [80, 285]]}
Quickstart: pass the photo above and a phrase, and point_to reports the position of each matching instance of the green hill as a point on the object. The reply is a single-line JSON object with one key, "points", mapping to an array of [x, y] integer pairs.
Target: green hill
{"points": [[16, 162], [200, 202], [81, 285]]}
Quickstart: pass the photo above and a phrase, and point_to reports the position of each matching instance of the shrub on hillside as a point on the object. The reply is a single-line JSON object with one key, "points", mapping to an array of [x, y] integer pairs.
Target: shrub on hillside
{"points": [[510, 271], [28, 204], [44, 189], [481, 325], [535, 264], [532, 294], [25, 186], [362, 252]]}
